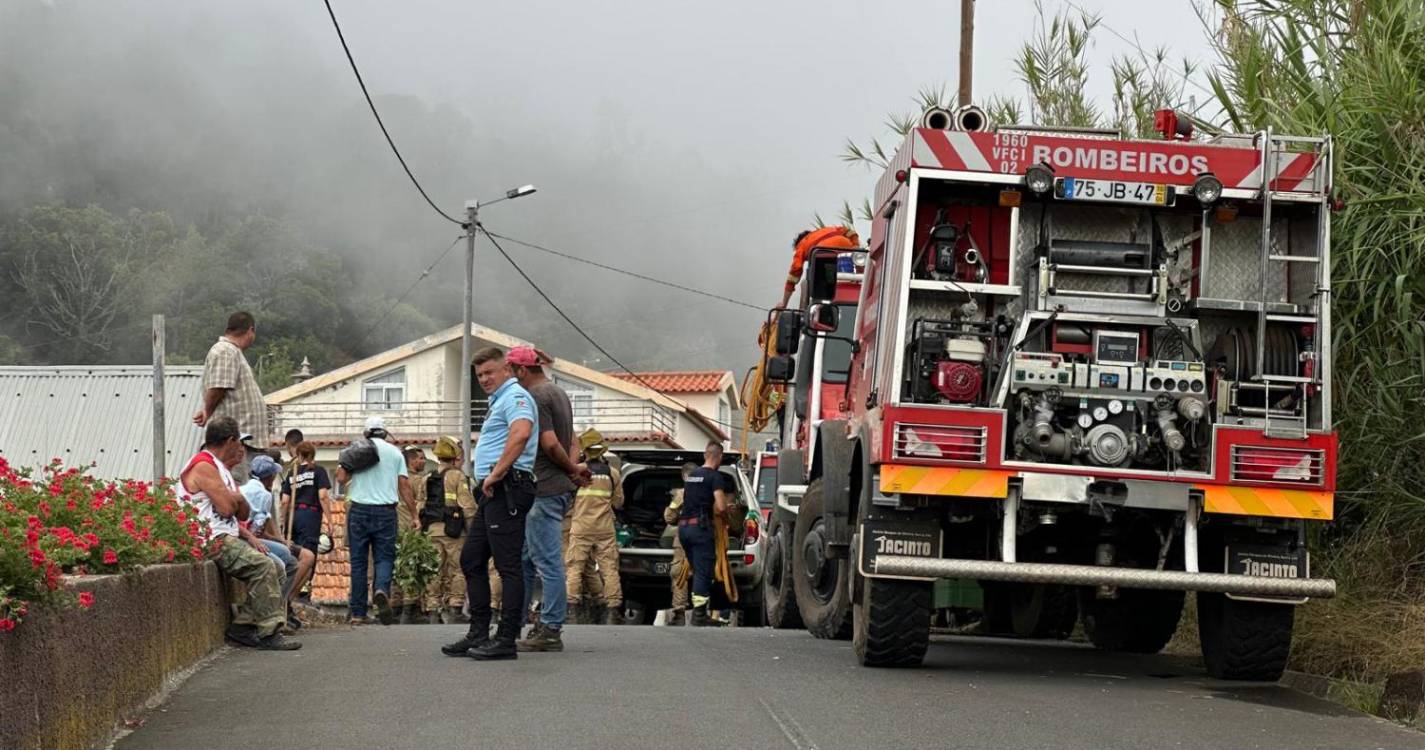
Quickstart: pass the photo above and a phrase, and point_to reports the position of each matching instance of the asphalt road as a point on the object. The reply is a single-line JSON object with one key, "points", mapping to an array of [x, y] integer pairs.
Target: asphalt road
{"points": [[673, 688]]}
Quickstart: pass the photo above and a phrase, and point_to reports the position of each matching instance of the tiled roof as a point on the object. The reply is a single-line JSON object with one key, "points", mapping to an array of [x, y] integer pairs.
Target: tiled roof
{"points": [[679, 381]]}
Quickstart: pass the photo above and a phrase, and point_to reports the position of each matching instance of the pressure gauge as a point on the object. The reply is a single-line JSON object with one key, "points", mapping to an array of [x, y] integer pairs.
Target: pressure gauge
{"points": [[1100, 413], [1115, 407], [1085, 420]]}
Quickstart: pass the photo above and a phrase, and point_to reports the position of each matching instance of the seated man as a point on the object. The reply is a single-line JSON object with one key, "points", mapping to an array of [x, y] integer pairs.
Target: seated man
{"points": [[297, 562], [207, 484]]}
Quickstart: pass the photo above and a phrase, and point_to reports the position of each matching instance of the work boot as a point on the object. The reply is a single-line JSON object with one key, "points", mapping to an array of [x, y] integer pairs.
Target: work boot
{"points": [[477, 636], [242, 635], [701, 618], [541, 638], [276, 642], [434, 617], [407, 615], [382, 601], [458, 614], [595, 614], [447, 616], [675, 617], [613, 615], [499, 648]]}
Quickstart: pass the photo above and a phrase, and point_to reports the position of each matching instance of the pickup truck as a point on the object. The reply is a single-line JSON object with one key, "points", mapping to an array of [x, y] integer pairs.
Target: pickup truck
{"points": [[649, 478]]}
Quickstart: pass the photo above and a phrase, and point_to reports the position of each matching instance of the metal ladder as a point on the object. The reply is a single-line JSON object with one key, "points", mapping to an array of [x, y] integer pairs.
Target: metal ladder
{"points": [[1295, 426]]}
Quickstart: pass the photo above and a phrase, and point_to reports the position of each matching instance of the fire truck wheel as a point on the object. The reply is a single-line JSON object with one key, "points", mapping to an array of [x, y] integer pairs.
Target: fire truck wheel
{"points": [[820, 583], [1139, 621], [892, 623], [777, 594], [1244, 640], [1043, 611]]}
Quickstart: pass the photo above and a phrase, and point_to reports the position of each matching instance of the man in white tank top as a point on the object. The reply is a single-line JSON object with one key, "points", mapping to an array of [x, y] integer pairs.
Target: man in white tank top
{"points": [[207, 484]]}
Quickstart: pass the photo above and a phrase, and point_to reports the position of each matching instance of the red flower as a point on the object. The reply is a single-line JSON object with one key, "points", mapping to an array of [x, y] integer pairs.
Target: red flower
{"points": [[111, 557], [196, 553], [86, 599], [91, 538], [6, 624]]}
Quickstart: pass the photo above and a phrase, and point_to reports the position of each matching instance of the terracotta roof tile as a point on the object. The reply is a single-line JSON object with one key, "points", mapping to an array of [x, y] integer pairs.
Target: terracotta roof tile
{"points": [[678, 381]]}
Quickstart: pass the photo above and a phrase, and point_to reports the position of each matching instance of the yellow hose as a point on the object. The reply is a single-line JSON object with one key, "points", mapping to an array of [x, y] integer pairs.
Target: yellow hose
{"points": [[760, 399]]}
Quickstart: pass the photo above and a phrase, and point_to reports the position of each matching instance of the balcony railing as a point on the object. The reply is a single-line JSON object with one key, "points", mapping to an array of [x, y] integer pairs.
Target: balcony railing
{"points": [[425, 419]]}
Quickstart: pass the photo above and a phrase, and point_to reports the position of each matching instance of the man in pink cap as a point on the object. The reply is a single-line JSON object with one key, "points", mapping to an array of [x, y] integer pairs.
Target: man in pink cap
{"points": [[555, 474]]}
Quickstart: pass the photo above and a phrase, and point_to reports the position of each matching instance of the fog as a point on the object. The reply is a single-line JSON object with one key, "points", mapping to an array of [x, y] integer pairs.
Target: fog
{"points": [[687, 141]]}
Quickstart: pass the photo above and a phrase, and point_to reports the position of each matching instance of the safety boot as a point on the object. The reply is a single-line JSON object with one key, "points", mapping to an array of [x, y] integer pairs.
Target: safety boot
{"points": [[541, 638], [701, 618], [434, 617], [613, 615], [406, 615], [501, 647], [476, 637], [675, 617]]}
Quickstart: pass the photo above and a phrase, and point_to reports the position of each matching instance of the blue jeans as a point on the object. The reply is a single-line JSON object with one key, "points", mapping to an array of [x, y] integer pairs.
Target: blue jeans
{"points": [[544, 555], [701, 549], [370, 530], [278, 551]]}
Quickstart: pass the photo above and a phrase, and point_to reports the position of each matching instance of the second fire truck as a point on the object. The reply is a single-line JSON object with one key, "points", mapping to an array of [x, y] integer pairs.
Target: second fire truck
{"points": [[1077, 362]]}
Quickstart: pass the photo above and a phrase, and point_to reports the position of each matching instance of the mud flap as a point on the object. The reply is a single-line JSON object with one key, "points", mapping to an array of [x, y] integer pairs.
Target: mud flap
{"points": [[897, 536], [1270, 561]]}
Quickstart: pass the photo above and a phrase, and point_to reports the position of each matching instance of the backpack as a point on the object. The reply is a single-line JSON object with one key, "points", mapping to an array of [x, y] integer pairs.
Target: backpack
{"points": [[437, 510]]}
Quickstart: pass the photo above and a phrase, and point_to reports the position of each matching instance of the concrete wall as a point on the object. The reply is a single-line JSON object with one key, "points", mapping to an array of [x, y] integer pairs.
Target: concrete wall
{"points": [[67, 676]]}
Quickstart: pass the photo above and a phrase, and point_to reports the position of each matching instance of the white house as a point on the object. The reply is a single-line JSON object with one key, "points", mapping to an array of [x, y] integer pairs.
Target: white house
{"points": [[416, 388]]}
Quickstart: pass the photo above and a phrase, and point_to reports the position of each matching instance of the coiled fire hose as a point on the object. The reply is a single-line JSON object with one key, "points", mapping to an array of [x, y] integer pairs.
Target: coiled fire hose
{"points": [[761, 398]]}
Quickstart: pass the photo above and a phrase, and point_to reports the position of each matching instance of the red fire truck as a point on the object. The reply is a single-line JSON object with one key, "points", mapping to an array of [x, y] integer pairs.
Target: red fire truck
{"points": [[1078, 361]]}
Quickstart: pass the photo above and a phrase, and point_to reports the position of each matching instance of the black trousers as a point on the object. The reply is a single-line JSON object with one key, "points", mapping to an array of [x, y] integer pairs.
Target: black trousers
{"points": [[498, 532]]}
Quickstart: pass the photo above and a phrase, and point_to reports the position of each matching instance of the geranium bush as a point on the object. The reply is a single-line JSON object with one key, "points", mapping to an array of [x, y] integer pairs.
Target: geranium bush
{"points": [[64, 521]]}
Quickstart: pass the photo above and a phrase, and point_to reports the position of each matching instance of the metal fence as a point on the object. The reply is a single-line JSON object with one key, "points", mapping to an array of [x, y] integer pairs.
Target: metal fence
{"points": [[412, 419]]}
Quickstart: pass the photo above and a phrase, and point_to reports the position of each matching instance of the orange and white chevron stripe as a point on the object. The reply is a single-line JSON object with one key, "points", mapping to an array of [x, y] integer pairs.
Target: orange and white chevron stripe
{"points": [[1315, 505], [942, 480]]}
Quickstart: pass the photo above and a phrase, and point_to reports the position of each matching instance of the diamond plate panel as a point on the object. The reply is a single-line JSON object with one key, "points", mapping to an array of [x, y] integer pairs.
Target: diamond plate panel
{"points": [[1234, 265]]}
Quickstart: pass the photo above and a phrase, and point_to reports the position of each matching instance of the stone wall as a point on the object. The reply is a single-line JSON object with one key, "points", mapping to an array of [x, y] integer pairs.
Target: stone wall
{"points": [[66, 677]]}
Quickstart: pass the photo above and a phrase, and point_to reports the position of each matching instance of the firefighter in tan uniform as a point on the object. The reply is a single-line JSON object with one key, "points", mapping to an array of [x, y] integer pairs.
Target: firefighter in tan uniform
{"points": [[591, 533], [678, 581], [447, 508], [408, 606]]}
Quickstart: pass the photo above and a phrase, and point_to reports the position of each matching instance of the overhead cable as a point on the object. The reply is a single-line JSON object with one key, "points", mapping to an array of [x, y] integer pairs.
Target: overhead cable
{"points": [[623, 271], [377, 115]]}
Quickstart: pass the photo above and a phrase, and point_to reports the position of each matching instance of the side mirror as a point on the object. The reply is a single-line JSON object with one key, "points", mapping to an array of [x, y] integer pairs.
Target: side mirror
{"points": [[781, 369], [824, 318], [789, 331], [823, 277]]}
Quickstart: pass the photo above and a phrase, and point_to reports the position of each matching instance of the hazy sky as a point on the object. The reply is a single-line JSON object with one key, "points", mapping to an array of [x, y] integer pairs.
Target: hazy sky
{"points": [[691, 141]]}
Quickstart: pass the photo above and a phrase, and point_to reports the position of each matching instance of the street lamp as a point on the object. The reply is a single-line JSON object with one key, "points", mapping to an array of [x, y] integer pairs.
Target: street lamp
{"points": [[472, 224]]}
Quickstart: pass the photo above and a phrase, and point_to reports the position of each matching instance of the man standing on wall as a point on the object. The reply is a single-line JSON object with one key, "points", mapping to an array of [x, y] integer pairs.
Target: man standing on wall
{"points": [[504, 474], [229, 388], [554, 471]]}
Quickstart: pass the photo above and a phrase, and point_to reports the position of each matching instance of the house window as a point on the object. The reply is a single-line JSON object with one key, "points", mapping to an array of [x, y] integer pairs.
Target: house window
{"points": [[581, 398], [386, 391], [724, 415]]}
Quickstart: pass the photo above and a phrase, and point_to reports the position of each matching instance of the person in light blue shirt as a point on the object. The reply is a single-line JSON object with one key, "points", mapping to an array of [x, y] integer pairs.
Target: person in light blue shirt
{"points": [[504, 474], [258, 492], [371, 525]]}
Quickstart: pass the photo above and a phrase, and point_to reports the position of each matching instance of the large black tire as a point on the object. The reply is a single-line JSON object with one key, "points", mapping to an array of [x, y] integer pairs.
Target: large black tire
{"points": [[1139, 621], [778, 598], [822, 592], [1043, 610], [1244, 640], [891, 623]]}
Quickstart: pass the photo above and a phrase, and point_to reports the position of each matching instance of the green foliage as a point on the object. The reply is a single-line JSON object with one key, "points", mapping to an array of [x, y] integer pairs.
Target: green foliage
{"points": [[1354, 70], [417, 560]]}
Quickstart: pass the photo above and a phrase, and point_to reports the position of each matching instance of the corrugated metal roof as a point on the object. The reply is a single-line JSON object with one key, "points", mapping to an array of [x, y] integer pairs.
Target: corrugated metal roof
{"points": [[99, 414]]}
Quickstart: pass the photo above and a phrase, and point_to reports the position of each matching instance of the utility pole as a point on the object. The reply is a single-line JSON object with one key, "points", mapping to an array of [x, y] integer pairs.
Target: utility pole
{"points": [[160, 463], [472, 212], [967, 51]]}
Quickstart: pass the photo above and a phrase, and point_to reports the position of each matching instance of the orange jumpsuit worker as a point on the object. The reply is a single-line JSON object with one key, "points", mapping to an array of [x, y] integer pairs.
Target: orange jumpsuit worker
{"points": [[838, 237]]}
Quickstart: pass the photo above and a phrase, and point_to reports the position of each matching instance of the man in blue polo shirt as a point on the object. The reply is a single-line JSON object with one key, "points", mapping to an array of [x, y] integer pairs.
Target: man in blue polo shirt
{"points": [[504, 479]]}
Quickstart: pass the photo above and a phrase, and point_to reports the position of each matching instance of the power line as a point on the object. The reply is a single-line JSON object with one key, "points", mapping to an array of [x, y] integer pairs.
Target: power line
{"points": [[581, 331], [623, 271], [406, 293], [377, 115]]}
